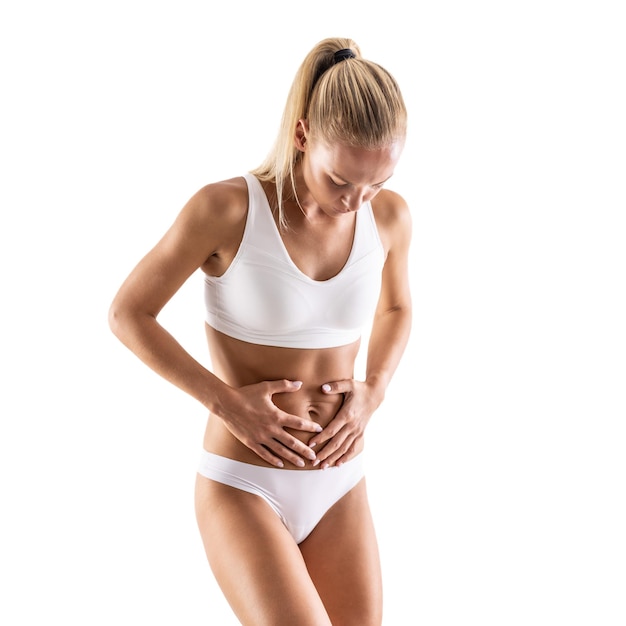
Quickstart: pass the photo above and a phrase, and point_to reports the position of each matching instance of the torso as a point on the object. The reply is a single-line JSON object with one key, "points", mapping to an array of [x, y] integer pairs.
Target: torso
{"points": [[239, 363]]}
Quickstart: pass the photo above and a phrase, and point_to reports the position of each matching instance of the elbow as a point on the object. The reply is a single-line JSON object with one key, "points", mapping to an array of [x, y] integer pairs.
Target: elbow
{"points": [[404, 318], [115, 317], [127, 322], [398, 312], [399, 316], [121, 319]]}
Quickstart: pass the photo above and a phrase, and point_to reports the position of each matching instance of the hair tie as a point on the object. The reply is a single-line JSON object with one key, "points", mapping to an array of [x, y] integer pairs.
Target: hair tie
{"points": [[342, 55]]}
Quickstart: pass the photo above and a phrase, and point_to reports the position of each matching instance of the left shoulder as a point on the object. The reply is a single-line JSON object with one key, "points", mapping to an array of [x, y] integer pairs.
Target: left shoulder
{"points": [[393, 218]]}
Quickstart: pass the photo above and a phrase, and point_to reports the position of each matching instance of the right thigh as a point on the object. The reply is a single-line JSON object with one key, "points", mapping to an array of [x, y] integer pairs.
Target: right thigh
{"points": [[254, 559]]}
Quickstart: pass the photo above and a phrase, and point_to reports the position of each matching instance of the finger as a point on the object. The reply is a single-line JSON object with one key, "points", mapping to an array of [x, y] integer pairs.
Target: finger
{"points": [[340, 458], [329, 432], [337, 458], [336, 445], [266, 455], [338, 386], [292, 451], [284, 386], [298, 447], [320, 438], [299, 423]]}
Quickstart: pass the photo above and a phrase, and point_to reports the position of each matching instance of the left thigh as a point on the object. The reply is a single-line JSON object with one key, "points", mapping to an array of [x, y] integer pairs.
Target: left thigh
{"points": [[341, 554]]}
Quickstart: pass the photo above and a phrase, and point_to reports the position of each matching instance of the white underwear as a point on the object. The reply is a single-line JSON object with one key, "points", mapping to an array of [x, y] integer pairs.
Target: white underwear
{"points": [[299, 497]]}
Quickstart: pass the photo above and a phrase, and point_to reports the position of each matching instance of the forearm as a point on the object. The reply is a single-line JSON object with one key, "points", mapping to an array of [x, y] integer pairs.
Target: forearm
{"points": [[388, 340], [157, 348]]}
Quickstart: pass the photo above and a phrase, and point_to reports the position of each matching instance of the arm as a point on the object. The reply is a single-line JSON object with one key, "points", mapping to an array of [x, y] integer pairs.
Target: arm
{"points": [[388, 339], [394, 314], [205, 234]]}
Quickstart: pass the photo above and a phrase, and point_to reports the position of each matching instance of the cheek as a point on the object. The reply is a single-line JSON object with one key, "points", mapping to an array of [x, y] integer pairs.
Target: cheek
{"points": [[323, 191], [316, 184]]}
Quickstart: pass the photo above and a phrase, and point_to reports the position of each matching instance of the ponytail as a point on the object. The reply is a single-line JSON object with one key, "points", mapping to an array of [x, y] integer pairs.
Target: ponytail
{"points": [[345, 99]]}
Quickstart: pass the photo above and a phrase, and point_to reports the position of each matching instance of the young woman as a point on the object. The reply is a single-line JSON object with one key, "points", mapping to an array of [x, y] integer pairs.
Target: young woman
{"points": [[298, 256]]}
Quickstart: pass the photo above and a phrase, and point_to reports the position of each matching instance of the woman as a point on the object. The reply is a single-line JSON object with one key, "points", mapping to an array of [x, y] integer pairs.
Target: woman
{"points": [[298, 256]]}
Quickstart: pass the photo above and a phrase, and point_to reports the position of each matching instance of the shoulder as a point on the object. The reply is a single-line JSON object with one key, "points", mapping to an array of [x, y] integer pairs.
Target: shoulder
{"points": [[393, 218], [220, 203], [210, 223]]}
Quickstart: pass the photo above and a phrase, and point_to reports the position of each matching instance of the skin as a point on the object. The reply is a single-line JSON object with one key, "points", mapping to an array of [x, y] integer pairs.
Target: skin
{"points": [[283, 407]]}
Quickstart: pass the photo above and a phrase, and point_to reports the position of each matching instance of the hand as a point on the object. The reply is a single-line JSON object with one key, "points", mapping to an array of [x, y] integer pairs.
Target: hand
{"points": [[257, 422], [347, 428]]}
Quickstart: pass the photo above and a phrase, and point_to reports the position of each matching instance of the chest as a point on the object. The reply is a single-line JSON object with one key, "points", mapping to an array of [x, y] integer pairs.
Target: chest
{"points": [[320, 250]]}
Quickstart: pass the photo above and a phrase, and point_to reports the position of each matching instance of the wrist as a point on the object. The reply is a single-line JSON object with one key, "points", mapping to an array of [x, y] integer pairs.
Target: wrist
{"points": [[377, 387], [217, 398]]}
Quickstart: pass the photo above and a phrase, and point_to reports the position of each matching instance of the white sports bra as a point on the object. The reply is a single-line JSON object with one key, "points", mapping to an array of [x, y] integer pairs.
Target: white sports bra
{"points": [[263, 297]]}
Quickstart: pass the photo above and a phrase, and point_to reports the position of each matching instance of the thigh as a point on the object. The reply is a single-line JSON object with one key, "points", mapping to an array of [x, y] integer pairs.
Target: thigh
{"points": [[343, 560], [254, 559]]}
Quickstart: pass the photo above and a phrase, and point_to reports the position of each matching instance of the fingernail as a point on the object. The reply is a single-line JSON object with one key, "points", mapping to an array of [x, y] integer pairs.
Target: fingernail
{"points": [[319, 429], [325, 387], [316, 462], [280, 464], [324, 466], [312, 444], [300, 463], [296, 383]]}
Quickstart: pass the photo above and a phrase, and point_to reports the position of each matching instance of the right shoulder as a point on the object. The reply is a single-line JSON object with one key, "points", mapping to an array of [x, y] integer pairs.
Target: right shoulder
{"points": [[218, 204], [213, 219], [205, 233], [209, 227]]}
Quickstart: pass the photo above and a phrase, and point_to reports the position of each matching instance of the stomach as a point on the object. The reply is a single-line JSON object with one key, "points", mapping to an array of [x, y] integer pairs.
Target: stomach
{"points": [[239, 363]]}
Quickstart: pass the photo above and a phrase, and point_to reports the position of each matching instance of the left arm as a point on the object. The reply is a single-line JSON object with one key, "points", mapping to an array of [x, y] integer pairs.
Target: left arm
{"points": [[388, 339]]}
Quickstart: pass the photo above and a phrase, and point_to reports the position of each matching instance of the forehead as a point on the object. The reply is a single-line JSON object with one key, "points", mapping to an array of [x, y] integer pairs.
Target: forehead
{"points": [[358, 165]]}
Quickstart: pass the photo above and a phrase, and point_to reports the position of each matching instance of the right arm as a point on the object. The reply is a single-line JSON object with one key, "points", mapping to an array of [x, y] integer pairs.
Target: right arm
{"points": [[204, 234]]}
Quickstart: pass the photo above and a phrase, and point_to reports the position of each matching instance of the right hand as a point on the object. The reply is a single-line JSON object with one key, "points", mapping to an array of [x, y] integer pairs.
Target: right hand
{"points": [[258, 423]]}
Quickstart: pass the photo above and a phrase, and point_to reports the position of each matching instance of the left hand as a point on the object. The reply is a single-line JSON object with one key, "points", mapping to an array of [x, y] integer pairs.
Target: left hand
{"points": [[347, 428]]}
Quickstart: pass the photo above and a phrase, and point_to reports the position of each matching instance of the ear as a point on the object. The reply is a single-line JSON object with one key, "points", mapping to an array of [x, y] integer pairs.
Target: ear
{"points": [[300, 137]]}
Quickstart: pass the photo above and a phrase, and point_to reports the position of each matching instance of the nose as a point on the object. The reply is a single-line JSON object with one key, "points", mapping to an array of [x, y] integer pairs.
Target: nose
{"points": [[353, 201]]}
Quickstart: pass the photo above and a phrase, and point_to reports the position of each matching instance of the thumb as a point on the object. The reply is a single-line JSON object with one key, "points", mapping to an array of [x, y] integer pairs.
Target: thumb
{"points": [[283, 386], [338, 386]]}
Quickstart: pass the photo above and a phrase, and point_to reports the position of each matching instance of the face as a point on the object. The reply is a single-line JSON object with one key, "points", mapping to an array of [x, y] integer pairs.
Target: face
{"points": [[340, 178]]}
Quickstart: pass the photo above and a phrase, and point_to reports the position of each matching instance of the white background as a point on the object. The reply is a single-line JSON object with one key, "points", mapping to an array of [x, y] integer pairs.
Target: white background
{"points": [[496, 466]]}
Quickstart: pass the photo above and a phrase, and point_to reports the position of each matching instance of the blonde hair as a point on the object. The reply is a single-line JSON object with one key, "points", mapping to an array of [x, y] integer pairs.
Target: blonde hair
{"points": [[346, 100]]}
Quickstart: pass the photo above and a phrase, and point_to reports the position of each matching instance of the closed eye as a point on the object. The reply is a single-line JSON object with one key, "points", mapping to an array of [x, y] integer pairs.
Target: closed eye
{"points": [[344, 184], [334, 183]]}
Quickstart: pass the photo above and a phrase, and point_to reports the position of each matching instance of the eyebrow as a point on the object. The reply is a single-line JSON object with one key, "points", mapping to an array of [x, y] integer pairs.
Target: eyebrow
{"points": [[349, 183]]}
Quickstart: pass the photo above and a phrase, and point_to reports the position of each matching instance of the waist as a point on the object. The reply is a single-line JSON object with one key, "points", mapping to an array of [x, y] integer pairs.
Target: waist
{"points": [[239, 364]]}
